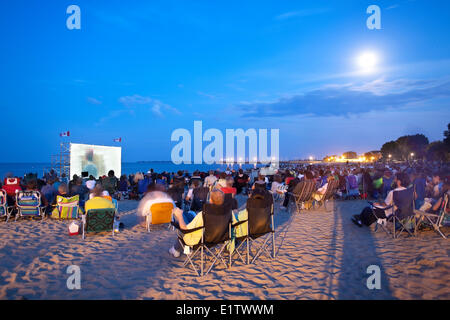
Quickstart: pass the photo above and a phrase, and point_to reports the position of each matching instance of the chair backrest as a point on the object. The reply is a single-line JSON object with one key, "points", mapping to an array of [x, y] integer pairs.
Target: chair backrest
{"points": [[28, 202], [11, 185], [3, 197], [216, 220], [200, 198], [98, 220], [3, 203], [404, 202], [304, 190], [161, 212], [67, 208], [443, 213], [331, 189], [230, 201], [259, 216], [176, 194]]}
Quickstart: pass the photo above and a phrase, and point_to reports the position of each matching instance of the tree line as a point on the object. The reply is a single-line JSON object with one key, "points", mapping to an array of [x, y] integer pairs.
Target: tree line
{"points": [[418, 147]]}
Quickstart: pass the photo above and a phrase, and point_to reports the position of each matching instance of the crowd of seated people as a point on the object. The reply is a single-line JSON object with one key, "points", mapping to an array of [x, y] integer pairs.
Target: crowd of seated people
{"points": [[220, 202], [366, 181], [50, 187]]}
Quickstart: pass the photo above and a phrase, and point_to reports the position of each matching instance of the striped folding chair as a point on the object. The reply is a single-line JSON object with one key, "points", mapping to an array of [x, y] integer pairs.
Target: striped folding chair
{"points": [[66, 208], [29, 205]]}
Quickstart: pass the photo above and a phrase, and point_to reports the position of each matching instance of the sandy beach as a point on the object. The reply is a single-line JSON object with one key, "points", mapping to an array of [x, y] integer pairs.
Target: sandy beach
{"points": [[320, 255]]}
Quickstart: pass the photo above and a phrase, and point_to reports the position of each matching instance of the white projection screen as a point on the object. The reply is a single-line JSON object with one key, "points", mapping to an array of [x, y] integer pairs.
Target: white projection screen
{"points": [[95, 160]]}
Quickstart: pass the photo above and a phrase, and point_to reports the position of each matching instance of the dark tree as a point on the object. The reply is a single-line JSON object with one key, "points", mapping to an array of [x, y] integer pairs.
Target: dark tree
{"points": [[412, 144], [437, 151], [390, 148], [350, 155], [447, 137]]}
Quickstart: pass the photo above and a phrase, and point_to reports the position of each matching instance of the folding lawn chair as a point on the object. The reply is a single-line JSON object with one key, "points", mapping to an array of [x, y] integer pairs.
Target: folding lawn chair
{"points": [[215, 236], [259, 223], [303, 192], [402, 211], [435, 220], [98, 220], [161, 213], [29, 205], [5, 211], [66, 208], [329, 193]]}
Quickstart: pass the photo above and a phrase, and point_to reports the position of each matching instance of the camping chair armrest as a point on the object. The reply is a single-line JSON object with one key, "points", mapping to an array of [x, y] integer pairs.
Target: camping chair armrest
{"points": [[238, 223], [185, 231], [423, 213], [372, 204]]}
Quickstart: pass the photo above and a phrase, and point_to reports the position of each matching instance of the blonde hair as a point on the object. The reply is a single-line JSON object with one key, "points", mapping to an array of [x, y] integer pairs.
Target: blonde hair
{"points": [[138, 176]]}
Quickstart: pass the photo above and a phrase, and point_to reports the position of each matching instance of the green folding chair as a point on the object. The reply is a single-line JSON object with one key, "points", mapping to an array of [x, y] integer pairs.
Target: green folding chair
{"points": [[98, 220]]}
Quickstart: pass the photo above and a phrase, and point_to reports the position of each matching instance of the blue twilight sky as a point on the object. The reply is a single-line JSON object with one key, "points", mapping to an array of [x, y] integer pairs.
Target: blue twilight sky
{"points": [[140, 69]]}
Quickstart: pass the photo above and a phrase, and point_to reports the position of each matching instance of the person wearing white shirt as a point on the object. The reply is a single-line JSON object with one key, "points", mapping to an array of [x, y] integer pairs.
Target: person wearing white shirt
{"points": [[367, 218], [210, 180]]}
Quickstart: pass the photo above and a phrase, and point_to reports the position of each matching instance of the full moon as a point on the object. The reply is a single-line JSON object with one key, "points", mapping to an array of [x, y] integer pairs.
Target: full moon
{"points": [[367, 61]]}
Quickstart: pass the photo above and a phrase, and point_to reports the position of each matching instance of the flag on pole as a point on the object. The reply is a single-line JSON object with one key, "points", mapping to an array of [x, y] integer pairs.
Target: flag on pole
{"points": [[118, 140], [65, 134]]}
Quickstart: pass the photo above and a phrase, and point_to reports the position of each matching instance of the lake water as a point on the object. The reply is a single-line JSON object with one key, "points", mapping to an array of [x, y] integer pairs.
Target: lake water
{"points": [[20, 169]]}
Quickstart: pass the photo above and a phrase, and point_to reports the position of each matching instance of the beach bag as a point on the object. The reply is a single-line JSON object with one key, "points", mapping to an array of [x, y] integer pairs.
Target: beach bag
{"points": [[74, 229]]}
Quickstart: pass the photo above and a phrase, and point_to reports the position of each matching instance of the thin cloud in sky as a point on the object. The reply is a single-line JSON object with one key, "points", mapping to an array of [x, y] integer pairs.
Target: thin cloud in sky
{"points": [[94, 101], [347, 99], [156, 106], [204, 94], [393, 6], [301, 13]]}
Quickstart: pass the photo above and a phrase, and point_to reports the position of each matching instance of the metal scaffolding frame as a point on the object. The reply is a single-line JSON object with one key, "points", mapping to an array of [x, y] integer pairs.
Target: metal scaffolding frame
{"points": [[60, 162]]}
